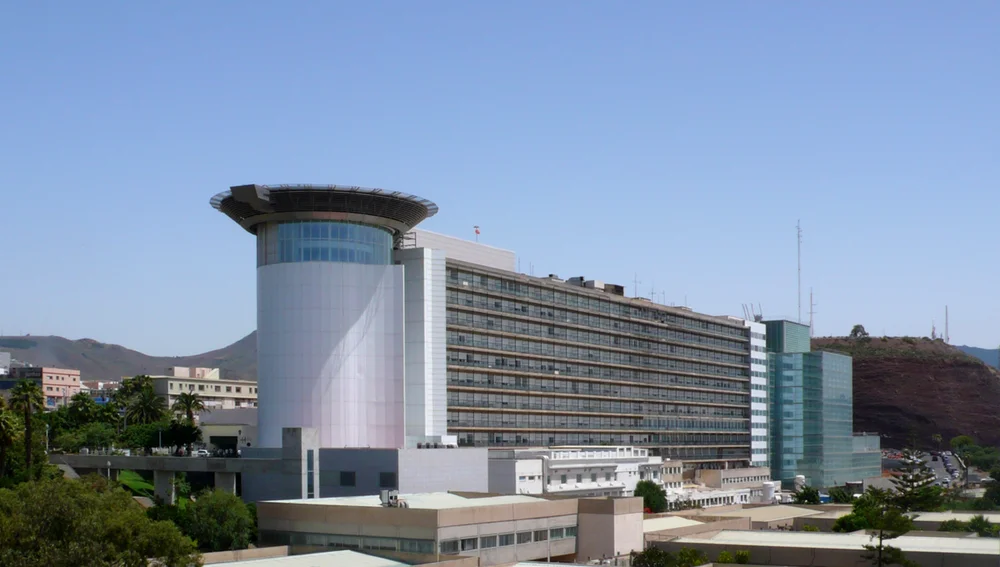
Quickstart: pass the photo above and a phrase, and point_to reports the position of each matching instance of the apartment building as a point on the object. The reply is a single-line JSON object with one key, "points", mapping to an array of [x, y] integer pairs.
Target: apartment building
{"points": [[549, 362], [576, 471], [58, 384], [214, 391]]}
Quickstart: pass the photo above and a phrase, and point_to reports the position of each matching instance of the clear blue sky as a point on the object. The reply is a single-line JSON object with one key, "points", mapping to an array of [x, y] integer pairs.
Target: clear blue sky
{"points": [[677, 140]]}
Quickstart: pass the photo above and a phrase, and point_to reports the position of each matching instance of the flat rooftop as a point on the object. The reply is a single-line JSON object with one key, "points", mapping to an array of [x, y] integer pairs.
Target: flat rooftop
{"points": [[422, 501], [820, 540], [343, 558], [769, 513], [667, 523], [961, 516]]}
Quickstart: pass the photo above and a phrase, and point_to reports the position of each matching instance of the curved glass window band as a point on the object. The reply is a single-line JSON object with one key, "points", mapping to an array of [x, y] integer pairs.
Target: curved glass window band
{"points": [[323, 241]]}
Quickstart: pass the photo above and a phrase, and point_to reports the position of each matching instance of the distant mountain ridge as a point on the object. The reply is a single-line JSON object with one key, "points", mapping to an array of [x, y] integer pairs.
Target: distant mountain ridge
{"points": [[100, 361], [990, 356]]}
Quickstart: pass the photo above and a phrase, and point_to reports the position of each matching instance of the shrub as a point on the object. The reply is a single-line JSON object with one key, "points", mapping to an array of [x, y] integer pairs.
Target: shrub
{"points": [[809, 528], [725, 557], [743, 557]]}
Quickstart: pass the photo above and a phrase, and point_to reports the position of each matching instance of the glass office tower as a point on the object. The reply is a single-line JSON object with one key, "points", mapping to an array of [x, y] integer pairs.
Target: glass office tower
{"points": [[812, 413]]}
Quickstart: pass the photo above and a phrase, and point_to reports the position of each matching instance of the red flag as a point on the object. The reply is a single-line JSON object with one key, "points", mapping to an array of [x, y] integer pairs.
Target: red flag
{"points": [[477, 230]]}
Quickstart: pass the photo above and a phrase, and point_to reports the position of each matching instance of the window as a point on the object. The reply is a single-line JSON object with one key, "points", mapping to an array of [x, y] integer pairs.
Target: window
{"points": [[449, 547], [486, 542], [541, 535], [323, 241], [347, 478], [593, 477], [607, 476], [562, 479], [579, 478], [506, 539], [523, 537], [522, 478], [387, 480], [310, 467], [571, 531], [557, 533], [171, 385], [469, 544], [218, 388], [229, 388], [201, 387]]}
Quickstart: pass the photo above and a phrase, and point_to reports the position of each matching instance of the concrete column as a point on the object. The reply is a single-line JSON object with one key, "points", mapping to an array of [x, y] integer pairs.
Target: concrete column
{"points": [[226, 481], [163, 486]]}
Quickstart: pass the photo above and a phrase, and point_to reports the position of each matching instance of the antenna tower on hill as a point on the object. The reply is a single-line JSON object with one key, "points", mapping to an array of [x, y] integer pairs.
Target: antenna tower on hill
{"points": [[947, 337]]}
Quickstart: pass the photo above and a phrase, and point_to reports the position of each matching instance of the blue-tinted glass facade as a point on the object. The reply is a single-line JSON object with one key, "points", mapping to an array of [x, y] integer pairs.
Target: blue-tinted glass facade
{"points": [[812, 420], [323, 241], [787, 336]]}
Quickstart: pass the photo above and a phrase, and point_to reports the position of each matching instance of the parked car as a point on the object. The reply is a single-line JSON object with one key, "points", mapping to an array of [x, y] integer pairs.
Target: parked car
{"points": [[201, 453]]}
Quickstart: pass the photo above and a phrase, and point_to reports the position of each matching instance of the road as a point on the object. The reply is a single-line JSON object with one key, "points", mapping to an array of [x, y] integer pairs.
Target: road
{"points": [[938, 466]]}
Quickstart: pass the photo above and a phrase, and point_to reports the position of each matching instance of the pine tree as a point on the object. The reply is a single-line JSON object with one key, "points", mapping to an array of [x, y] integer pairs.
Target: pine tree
{"points": [[915, 486]]}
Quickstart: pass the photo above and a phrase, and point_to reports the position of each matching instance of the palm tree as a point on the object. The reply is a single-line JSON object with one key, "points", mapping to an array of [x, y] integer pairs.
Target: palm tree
{"points": [[27, 398], [82, 409], [8, 432], [188, 403], [937, 439], [130, 387], [146, 407]]}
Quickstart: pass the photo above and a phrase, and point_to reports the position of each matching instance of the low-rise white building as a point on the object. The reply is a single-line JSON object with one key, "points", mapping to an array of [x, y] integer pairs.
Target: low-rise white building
{"points": [[615, 471], [722, 487], [576, 471]]}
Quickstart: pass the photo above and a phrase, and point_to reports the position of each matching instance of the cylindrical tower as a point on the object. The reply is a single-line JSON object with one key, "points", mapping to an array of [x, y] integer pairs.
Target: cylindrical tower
{"points": [[329, 308]]}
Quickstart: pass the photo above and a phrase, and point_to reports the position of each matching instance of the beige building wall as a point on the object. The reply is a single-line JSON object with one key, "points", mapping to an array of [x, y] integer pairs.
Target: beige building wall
{"points": [[733, 479], [215, 392], [609, 528]]}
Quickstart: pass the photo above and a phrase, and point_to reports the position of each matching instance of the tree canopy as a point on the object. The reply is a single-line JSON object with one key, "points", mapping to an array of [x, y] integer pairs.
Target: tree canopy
{"points": [[656, 557], [214, 519], [806, 495], [188, 404], [877, 512], [62, 522], [915, 486], [653, 496]]}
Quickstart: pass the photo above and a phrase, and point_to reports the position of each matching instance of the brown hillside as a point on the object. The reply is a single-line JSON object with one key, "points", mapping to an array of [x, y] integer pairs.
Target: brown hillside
{"points": [[920, 386], [99, 361]]}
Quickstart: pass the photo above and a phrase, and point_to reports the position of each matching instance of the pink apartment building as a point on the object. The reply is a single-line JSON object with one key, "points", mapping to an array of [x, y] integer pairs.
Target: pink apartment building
{"points": [[58, 384]]}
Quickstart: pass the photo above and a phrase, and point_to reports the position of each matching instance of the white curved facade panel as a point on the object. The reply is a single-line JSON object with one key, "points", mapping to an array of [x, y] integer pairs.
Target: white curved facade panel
{"points": [[330, 352]]}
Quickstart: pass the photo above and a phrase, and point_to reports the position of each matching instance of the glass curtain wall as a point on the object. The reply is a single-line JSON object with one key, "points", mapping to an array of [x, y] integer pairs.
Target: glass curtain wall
{"points": [[323, 241]]}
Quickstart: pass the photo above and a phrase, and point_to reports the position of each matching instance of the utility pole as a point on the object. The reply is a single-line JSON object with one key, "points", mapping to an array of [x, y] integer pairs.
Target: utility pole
{"points": [[798, 230]]}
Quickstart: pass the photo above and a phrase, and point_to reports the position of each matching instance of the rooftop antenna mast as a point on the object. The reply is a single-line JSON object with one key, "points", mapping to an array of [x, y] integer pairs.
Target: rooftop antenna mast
{"points": [[798, 230], [637, 282], [812, 312]]}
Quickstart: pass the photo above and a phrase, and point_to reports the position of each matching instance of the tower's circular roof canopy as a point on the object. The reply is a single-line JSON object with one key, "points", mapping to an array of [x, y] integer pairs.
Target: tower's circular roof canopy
{"points": [[250, 205]]}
